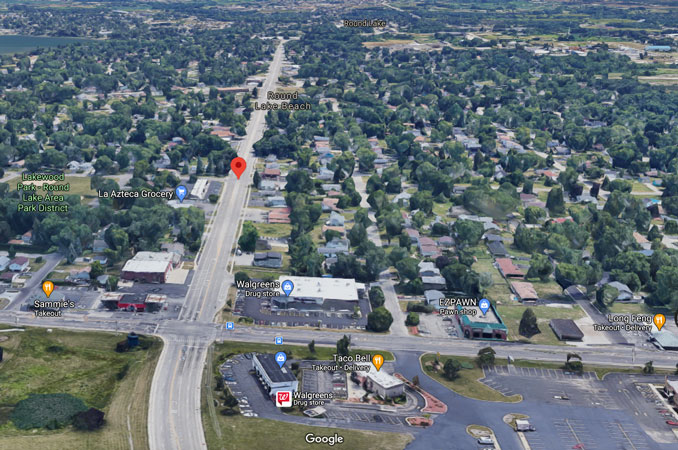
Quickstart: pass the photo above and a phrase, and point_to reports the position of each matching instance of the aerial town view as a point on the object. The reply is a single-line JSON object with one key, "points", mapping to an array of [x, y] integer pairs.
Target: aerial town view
{"points": [[357, 224]]}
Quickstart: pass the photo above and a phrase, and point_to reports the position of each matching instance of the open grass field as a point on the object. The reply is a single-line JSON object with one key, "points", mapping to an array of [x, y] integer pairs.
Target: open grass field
{"points": [[239, 432], [78, 186], [467, 383], [499, 291], [85, 365], [511, 315], [274, 230]]}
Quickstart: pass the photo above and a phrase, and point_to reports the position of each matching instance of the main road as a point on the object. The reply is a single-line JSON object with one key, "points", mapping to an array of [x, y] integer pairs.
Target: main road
{"points": [[174, 420]]}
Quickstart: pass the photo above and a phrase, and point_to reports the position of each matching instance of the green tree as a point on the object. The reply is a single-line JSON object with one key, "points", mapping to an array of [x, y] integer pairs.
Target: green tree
{"points": [[468, 231], [377, 298], [486, 356], [248, 238], [528, 324], [555, 202], [540, 267], [412, 319], [343, 345], [311, 346], [408, 269], [451, 369], [533, 214], [379, 320], [112, 284], [648, 368], [96, 270], [574, 363]]}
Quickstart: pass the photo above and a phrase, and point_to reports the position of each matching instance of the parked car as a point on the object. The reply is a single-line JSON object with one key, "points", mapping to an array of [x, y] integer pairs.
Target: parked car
{"points": [[485, 440]]}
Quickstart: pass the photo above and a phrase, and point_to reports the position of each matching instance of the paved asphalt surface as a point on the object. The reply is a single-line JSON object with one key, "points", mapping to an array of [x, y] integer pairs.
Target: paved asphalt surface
{"points": [[174, 411], [176, 383], [51, 261]]}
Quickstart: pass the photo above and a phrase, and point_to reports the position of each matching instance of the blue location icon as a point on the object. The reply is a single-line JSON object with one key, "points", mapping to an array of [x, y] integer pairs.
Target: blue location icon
{"points": [[287, 287], [229, 325], [280, 358], [484, 305], [181, 192]]}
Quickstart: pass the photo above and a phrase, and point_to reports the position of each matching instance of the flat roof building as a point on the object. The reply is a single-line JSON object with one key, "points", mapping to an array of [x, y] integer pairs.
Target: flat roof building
{"points": [[381, 382], [318, 290], [665, 339], [272, 376], [149, 267], [478, 326], [566, 330]]}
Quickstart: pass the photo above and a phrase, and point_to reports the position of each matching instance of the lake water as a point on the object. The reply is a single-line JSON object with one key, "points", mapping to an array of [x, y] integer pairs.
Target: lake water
{"points": [[17, 44]]}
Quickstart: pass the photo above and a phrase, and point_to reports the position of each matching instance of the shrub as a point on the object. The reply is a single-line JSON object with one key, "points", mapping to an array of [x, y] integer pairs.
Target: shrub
{"points": [[89, 420], [50, 411]]}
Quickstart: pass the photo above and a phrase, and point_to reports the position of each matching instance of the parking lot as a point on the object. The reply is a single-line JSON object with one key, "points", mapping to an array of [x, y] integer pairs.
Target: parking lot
{"points": [[254, 401], [262, 312], [618, 412]]}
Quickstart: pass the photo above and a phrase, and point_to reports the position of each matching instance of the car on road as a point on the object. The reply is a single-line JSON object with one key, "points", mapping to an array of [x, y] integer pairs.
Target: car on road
{"points": [[672, 423], [486, 440]]}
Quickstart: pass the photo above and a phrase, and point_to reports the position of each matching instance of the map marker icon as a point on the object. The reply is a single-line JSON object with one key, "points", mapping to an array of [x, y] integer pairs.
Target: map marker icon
{"points": [[181, 192]]}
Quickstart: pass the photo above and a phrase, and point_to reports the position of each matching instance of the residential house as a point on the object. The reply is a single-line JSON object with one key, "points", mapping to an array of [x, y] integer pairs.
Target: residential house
{"points": [[428, 247], [330, 204], [433, 297], [508, 269], [271, 173], [625, 293], [428, 269], [334, 247], [4, 263], [435, 282], [19, 264], [335, 220], [413, 234], [446, 242], [176, 248], [325, 174], [271, 260], [276, 202], [497, 249], [80, 275], [280, 215], [99, 246], [524, 291]]}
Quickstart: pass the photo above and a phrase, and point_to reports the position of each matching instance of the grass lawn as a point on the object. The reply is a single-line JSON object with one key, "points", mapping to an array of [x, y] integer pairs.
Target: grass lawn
{"points": [[238, 432], [255, 272], [274, 230], [511, 315], [80, 186], [500, 289], [35, 266], [467, 383], [548, 289], [629, 308], [85, 365], [229, 348]]}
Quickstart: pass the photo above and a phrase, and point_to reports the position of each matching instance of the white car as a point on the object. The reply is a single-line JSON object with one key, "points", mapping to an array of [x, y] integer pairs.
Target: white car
{"points": [[485, 440]]}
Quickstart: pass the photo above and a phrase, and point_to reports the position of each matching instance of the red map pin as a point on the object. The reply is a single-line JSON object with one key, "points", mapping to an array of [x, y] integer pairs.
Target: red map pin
{"points": [[238, 166]]}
